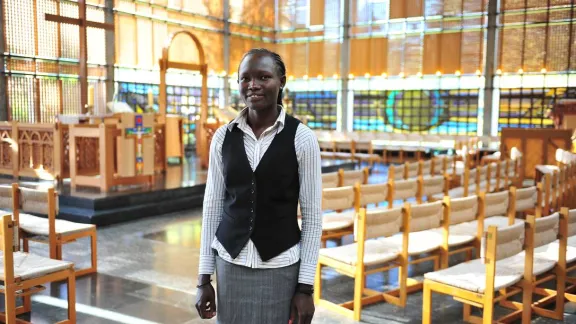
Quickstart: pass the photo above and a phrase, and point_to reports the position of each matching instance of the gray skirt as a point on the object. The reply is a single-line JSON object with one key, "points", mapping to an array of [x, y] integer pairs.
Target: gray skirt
{"points": [[254, 296]]}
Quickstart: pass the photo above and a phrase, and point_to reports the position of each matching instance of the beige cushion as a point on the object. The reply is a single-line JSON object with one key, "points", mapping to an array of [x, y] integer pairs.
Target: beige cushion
{"points": [[39, 226], [375, 252], [572, 222], [27, 266], [471, 276], [336, 221], [496, 203], [517, 262], [463, 209], [367, 156], [550, 251], [418, 242], [454, 238]]}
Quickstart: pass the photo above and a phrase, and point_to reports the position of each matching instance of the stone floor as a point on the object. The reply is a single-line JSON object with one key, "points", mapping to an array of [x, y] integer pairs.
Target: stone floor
{"points": [[147, 273]]}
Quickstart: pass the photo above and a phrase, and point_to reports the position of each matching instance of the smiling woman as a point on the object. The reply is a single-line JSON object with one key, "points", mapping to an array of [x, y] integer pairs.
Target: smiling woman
{"points": [[262, 165]]}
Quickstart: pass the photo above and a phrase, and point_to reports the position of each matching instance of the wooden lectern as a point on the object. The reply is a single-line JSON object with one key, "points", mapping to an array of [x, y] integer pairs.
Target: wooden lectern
{"points": [[126, 151]]}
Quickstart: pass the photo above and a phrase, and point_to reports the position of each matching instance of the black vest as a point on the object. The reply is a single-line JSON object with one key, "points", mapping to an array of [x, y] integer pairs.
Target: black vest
{"points": [[260, 205]]}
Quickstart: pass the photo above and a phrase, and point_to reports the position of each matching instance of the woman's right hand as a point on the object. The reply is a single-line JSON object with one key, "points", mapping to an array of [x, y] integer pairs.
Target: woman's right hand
{"points": [[206, 301]]}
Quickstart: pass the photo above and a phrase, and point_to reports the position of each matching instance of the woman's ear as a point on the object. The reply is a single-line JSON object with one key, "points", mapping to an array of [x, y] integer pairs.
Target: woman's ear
{"points": [[282, 81]]}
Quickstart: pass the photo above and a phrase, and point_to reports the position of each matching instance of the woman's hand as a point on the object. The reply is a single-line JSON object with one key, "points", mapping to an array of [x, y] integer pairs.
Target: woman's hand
{"points": [[206, 300], [302, 308]]}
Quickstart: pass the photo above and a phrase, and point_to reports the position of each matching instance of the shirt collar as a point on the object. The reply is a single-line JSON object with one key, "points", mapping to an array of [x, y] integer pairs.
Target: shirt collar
{"points": [[241, 119]]}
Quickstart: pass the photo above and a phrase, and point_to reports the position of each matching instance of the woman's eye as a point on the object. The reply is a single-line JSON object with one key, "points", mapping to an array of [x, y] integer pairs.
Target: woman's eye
{"points": [[265, 77]]}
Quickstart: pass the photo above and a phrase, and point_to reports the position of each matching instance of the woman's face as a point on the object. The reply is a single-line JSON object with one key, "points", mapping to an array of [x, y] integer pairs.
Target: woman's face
{"points": [[259, 82]]}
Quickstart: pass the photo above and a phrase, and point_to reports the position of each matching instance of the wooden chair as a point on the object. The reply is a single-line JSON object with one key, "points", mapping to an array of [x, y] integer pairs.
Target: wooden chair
{"points": [[369, 156], [351, 177], [371, 194], [460, 230], [482, 282], [396, 172], [367, 256], [330, 180], [467, 187], [338, 205], [402, 190], [24, 274], [411, 170], [426, 168], [549, 255], [54, 232], [429, 186]]}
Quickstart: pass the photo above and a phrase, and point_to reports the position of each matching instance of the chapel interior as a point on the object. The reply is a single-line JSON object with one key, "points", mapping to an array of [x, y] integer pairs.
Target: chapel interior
{"points": [[447, 138]]}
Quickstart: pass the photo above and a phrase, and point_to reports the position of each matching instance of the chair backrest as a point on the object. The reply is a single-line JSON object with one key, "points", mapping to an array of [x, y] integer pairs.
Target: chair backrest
{"points": [[372, 193], [572, 222], [330, 180], [481, 173], [403, 189], [462, 209], [509, 241], [326, 145], [425, 167], [411, 170], [525, 198], [351, 177], [424, 216], [343, 144], [379, 223], [363, 145], [395, 172], [338, 198], [38, 201], [546, 229], [497, 204], [6, 197], [431, 185]]}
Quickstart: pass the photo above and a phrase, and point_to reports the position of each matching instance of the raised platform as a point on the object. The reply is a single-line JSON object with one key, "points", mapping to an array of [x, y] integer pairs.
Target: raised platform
{"points": [[181, 188]]}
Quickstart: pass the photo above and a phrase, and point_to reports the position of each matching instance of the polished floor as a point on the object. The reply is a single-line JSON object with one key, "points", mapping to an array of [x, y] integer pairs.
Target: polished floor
{"points": [[147, 273]]}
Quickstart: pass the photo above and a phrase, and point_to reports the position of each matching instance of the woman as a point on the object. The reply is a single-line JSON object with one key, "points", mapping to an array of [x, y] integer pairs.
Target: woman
{"points": [[261, 165]]}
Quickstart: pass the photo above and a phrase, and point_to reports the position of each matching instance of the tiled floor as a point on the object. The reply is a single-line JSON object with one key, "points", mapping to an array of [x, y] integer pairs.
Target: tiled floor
{"points": [[148, 269]]}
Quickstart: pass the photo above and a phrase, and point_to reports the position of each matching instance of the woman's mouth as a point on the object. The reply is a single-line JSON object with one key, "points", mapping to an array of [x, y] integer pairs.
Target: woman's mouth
{"points": [[255, 97]]}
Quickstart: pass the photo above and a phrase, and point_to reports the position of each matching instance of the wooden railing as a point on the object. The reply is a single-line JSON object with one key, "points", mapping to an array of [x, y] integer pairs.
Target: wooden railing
{"points": [[41, 151]]}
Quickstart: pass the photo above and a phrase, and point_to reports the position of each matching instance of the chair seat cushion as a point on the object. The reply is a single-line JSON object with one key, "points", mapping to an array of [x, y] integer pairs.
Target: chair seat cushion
{"points": [[455, 238], [27, 266], [516, 263], [326, 155], [550, 251], [39, 226], [471, 228], [367, 156], [337, 221], [471, 276], [418, 242], [375, 252], [343, 155]]}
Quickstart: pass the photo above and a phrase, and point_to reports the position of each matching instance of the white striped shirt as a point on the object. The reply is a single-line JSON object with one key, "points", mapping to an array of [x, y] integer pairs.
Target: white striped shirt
{"points": [[309, 168]]}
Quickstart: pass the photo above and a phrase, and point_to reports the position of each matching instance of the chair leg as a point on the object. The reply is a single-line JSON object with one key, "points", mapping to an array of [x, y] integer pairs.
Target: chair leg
{"points": [[358, 292], [488, 313], [94, 254], [10, 303], [25, 245], [426, 305], [402, 282], [71, 295]]}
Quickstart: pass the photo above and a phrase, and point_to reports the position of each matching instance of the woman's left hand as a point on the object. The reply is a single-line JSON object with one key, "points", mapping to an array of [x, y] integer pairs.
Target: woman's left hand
{"points": [[302, 308]]}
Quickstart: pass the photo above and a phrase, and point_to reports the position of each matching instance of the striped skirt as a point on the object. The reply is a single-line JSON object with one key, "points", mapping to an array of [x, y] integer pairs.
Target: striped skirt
{"points": [[254, 296]]}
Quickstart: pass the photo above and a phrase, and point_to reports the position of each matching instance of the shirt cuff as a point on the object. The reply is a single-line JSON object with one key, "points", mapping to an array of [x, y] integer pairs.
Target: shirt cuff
{"points": [[307, 273], [207, 264]]}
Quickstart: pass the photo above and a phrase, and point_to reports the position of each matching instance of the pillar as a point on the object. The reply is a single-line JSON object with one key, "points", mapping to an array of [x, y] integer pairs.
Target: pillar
{"points": [[491, 106], [344, 108], [3, 77], [110, 50]]}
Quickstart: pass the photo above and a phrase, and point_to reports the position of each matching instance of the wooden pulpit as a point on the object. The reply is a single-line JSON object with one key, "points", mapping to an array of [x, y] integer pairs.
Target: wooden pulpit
{"points": [[135, 145]]}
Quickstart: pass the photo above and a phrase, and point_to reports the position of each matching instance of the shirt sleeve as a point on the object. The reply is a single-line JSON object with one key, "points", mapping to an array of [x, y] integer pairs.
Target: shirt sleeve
{"points": [[310, 173], [213, 203]]}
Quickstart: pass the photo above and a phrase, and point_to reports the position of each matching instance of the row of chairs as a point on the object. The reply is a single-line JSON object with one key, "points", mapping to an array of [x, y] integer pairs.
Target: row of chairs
{"points": [[25, 273], [398, 237]]}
